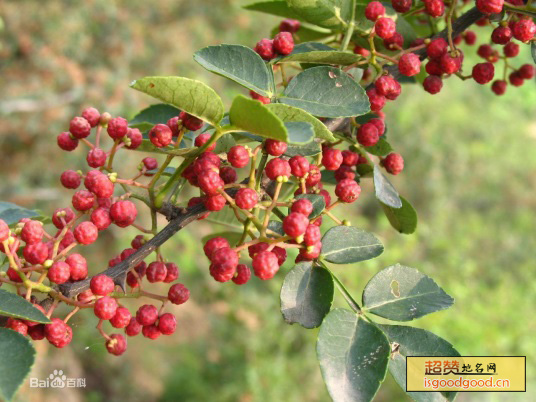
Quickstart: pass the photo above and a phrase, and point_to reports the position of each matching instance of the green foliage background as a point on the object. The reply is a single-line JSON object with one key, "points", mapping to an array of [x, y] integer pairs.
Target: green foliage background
{"points": [[470, 173]]}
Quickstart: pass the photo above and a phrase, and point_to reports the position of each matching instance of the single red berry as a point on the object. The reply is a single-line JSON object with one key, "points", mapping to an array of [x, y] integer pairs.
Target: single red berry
{"points": [[96, 158], [17, 325], [485, 51], [511, 49], [207, 161], [192, 123], [156, 272], [210, 182], [449, 64], [393, 163], [302, 206], [278, 167], [133, 328], [332, 158], [178, 294], [77, 267], [387, 86], [121, 318], [289, 25], [275, 148], [347, 190], [490, 6], [202, 139], [222, 273], [215, 202], [64, 340], [83, 200], [147, 314], [374, 10], [377, 101], [344, 172], [226, 257], [409, 64], [526, 71], [361, 50], [172, 272], [501, 35], [367, 135], [79, 127], [395, 42], [101, 186], [116, 345], [214, 244], [432, 84], [434, 8], [401, 6], [92, 115], [151, 331], [281, 254], [100, 217], [299, 165], [66, 142], [35, 253], [105, 307], [101, 285], [263, 99], [243, 274], [13, 275], [37, 332], [55, 330], [167, 323], [350, 158], [123, 213], [265, 265], [312, 234], [516, 79], [483, 72], [238, 156], [59, 272], [117, 128], [499, 87], [32, 232], [283, 43], [385, 27], [327, 197], [70, 179], [86, 296], [160, 135], [137, 241], [433, 67], [150, 163], [380, 125], [257, 248], [173, 124], [311, 252], [295, 224], [313, 177], [524, 30], [134, 138], [246, 198], [469, 37], [86, 233]]}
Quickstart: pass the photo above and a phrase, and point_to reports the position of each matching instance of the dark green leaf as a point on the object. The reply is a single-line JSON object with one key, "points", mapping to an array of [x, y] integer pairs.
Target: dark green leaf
{"points": [[402, 293], [13, 215], [533, 51], [290, 114], [324, 13], [167, 171], [353, 356], [225, 217], [385, 191], [15, 306], [416, 342], [306, 295], [356, 73], [191, 96], [299, 132], [318, 53], [17, 357], [381, 148], [273, 7], [364, 169], [232, 237], [154, 114], [347, 244], [328, 177], [318, 201], [403, 219], [313, 148], [238, 63], [224, 144], [277, 227], [251, 115], [326, 91]]}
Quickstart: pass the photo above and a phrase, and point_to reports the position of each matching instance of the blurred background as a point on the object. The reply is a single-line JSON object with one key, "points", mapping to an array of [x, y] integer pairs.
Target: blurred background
{"points": [[470, 173]]}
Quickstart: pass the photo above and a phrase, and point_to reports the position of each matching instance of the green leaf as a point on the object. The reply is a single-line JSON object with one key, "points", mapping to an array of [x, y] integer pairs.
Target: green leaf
{"points": [[15, 306], [273, 7], [533, 51], [364, 170], [313, 148], [403, 219], [232, 237], [381, 148], [13, 215], [17, 357], [289, 114], [416, 342], [238, 63], [326, 91], [318, 53], [402, 293], [299, 132], [318, 201], [353, 356], [224, 144], [385, 191], [191, 96], [306, 295], [325, 13], [251, 115], [277, 227], [347, 244], [154, 114], [225, 217], [167, 171]]}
